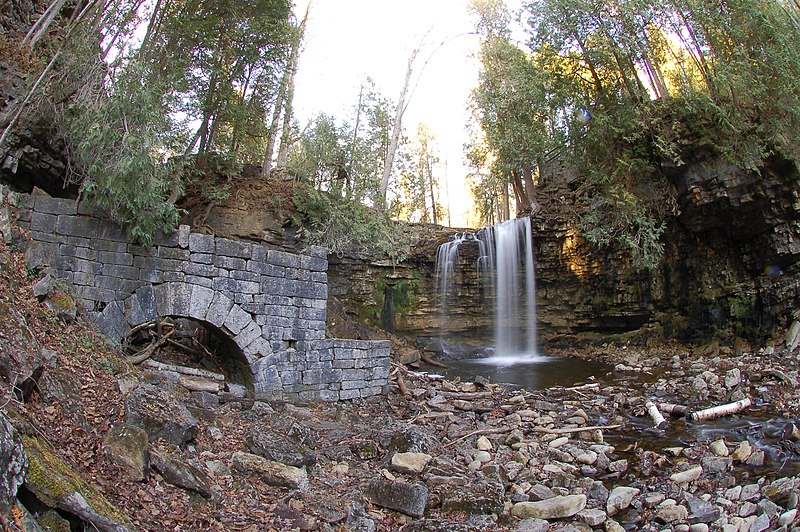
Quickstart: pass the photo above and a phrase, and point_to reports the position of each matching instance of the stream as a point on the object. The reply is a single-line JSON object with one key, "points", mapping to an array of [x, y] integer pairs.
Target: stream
{"points": [[760, 425]]}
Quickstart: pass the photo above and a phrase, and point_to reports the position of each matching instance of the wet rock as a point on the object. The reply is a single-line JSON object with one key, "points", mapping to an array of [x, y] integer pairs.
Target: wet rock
{"points": [[127, 446], [553, 508], [160, 414], [715, 465], [271, 445], [269, 471], [410, 463], [437, 525], [620, 498], [719, 448], [13, 464], [756, 458], [742, 451], [181, 472], [404, 497]]}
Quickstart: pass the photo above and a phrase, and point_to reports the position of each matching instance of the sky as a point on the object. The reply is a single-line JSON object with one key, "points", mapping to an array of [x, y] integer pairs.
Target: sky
{"points": [[348, 40]]}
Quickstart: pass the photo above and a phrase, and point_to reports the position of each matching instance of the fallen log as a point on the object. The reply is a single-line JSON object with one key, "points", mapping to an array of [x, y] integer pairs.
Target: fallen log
{"points": [[196, 384], [465, 396], [720, 410], [148, 351], [184, 370], [673, 409], [658, 419], [428, 360]]}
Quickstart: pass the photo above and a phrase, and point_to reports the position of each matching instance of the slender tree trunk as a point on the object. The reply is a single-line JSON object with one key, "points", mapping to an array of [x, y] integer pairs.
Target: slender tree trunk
{"points": [[434, 209], [396, 129], [286, 140], [506, 207], [41, 26]]}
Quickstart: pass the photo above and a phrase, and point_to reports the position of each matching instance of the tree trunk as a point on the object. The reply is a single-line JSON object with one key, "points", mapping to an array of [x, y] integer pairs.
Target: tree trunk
{"points": [[396, 129], [430, 182], [286, 140]]}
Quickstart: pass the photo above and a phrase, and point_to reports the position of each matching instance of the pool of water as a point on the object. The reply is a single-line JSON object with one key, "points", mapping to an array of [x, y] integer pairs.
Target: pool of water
{"points": [[533, 372]]}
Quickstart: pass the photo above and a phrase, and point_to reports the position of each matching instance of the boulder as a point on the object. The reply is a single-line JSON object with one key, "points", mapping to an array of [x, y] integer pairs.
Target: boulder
{"points": [[159, 413], [182, 473], [270, 472], [13, 464], [396, 495], [484, 496], [20, 354], [127, 446], [553, 508], [277, 447], [57, 485]]}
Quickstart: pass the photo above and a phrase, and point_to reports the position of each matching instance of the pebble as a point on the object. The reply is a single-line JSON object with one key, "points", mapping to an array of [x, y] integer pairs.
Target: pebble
{"points": [[483, 444]]}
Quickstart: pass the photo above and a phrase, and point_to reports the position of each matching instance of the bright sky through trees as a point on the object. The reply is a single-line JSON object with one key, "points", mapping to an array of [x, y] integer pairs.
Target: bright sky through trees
{"points": [[348, 40]]}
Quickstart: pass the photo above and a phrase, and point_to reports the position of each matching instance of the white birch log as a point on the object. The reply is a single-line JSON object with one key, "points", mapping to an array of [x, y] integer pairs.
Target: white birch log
{"points": [[673, 409], [655, 415], [720, 410], [183, 370]]}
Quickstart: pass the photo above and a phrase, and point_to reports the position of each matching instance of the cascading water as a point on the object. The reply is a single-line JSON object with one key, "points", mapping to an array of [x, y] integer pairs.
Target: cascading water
{"points": [[506, 261]]}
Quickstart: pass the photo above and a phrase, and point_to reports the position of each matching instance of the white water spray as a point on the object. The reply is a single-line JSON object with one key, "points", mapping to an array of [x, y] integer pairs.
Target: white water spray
{"points": [[506, 259]]}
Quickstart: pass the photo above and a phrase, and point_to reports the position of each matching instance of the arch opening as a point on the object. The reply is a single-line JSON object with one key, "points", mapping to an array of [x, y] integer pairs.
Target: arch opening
{"points": [[187, 344]]}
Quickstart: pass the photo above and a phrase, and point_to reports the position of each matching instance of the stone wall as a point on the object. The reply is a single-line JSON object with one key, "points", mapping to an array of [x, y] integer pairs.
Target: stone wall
{"points": [[271, 303]]}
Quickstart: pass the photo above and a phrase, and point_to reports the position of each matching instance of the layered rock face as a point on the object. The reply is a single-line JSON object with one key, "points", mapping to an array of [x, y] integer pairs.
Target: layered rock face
{"points": [[32, 155], [730, 268]]}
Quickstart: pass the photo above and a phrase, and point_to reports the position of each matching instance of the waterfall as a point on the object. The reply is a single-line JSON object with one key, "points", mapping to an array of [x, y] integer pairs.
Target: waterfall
{"points": [[446, 259], [506, 260]]}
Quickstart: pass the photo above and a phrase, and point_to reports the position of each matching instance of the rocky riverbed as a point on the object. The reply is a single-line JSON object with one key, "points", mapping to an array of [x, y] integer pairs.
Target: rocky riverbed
{"points": [[106, 444]]}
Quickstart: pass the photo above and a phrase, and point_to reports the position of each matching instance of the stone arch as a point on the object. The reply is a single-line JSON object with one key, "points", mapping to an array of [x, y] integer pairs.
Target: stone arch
{"points": [[199, 303]]}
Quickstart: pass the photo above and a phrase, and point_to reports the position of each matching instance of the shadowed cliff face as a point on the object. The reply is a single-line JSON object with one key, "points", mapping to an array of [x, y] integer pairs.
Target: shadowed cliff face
{"points": [[730, 268], [33, 155]]}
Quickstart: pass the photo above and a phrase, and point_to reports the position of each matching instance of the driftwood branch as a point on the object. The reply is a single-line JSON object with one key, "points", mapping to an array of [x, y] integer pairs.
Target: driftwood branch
{"points": [[148, 351], [720, 410], [428, 360]]}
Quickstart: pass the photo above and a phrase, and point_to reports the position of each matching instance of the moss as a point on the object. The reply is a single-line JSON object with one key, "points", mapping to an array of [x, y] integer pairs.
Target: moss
{"points": [[51, 480]]}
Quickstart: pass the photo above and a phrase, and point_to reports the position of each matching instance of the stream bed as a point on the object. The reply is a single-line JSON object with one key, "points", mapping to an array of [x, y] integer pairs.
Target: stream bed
{"points": [[762, 426]]}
